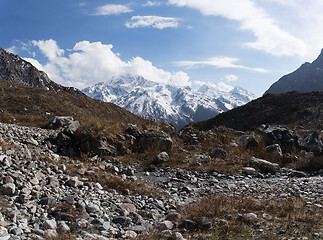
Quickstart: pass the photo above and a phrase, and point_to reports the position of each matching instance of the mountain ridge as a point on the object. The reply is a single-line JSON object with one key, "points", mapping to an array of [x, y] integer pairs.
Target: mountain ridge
{"points": [[15, 69], [166, 102], [307, 78]]}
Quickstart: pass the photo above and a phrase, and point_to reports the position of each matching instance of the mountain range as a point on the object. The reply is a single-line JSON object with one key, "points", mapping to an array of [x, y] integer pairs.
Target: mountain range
{"points": [[164, 102]]}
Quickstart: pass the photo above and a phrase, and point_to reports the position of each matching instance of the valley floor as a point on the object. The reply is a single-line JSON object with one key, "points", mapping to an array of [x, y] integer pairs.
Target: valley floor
{"points": [[48, 196]]}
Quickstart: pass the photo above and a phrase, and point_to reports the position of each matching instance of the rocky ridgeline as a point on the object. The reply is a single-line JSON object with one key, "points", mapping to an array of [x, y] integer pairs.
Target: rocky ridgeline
{"points": [[41, 198]]}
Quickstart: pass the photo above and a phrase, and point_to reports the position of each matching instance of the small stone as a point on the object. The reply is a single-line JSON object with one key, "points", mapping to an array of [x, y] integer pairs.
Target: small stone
{"points": [[47, 201], [50, 224], [189, 224], [173, 216], [8, 189], [249, 171], [250, 217], [92, 208], [34, 181], [205, 223], [63, 227], [162, 157], [74, 182], [176, 236], [165, 225]]}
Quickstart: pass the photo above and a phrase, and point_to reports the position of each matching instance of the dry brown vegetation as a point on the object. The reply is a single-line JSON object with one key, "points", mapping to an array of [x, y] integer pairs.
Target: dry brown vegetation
{"points": [[283, 218], [290, 217], [30, 106]]}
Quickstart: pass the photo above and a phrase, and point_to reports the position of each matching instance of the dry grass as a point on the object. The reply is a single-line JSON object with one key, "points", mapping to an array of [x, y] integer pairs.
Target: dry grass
{"points": [[291, 216], [35, 106], [290, 219]]}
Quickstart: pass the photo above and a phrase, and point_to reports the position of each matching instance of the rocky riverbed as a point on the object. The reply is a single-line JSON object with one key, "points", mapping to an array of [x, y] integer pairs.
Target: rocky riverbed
{"points": [[42, 198]]}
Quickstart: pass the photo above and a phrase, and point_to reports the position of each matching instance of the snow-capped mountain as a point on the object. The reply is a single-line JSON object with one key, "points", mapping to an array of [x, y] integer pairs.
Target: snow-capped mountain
{"points": [[169, 103]]}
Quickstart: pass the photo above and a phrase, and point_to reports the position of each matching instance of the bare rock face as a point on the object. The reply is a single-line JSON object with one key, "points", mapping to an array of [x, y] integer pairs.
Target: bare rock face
{"points": [[15, 69], [308, 78]]}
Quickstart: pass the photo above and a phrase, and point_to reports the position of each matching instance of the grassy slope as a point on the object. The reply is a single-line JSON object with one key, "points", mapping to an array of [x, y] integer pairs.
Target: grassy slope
{"points": [[35, 106]]}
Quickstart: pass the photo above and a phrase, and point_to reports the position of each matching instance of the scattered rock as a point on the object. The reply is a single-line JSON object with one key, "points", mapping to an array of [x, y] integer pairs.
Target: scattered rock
{"points": [[264, 166], [218, 153]]}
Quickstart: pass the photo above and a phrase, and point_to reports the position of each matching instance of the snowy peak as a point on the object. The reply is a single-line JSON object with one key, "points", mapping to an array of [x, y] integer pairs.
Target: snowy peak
{"points": [[169, 103]]}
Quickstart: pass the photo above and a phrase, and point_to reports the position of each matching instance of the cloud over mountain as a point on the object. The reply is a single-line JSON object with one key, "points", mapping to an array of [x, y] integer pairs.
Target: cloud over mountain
{"points": [[89, 63]]}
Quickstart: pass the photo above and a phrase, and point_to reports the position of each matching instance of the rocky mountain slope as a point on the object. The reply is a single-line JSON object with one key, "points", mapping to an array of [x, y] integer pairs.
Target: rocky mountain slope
{"points": [[308, 78], [293, 109], [168, 103], [14, 69]]}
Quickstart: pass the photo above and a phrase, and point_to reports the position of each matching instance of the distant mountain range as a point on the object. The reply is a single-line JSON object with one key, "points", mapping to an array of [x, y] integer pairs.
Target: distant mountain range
{"points": [[173, 104], [307, 78]]}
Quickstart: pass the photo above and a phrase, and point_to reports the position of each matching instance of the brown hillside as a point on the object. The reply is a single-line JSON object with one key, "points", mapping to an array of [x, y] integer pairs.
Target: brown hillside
{"points": [[303, 109], [31, 106]]}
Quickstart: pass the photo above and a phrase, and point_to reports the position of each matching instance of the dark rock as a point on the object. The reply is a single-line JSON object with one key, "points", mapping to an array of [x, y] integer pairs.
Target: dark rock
{"points": [[218, 153], [8, 189], [122, 220], [278, 135], [205, 223], [47, 201], [248, 141], [313, 143], [155, 140], [275, 150], [189, 225]]}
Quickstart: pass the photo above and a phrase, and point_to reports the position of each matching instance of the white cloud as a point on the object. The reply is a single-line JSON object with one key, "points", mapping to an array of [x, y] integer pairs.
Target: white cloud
{"points": [[112, 9], [152, 4], [219, 62], [89, 63], [12, 49], [269, 36], [230, 78], [152, 21]]}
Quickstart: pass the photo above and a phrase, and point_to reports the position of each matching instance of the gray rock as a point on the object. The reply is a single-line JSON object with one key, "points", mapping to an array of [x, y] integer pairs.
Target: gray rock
{"points": [[74, 182], [275, 150], [92, 208], [4, 235], [50, 224], [250, 217], [63, 227], [205, 223], [162, 158], [249, 171], [248, 141], [313, 143], [155, 140], [218, 153], [264, 166], [278, 135], [8, 189], [165, 225], [189, 224]]}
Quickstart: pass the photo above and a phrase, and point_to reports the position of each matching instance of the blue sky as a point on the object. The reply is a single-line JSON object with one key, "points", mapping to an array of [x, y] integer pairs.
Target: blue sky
{"points": [[247, 43]]}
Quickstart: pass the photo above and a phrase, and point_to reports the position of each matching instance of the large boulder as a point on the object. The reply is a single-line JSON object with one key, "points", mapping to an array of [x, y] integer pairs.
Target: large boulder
{"points": [[64, 123], [313, 143], [248, 141], [264, 165], [154, 140], [278, 135]]}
